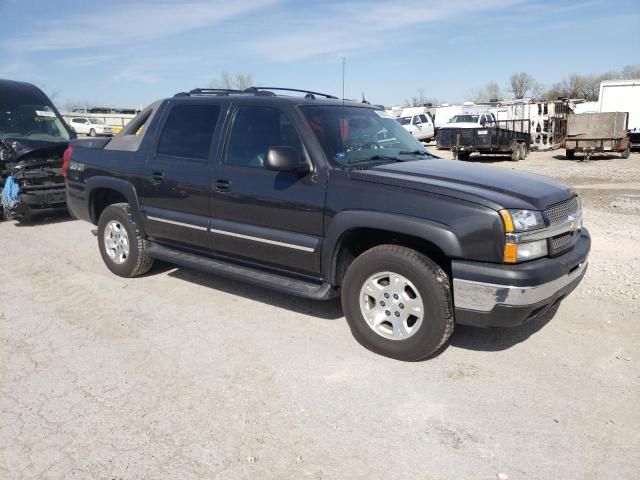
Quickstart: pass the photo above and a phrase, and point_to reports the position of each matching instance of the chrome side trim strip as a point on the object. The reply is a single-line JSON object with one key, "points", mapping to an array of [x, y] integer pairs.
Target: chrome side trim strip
{"points": [[263, 240], [482, 297], [173, 222]]}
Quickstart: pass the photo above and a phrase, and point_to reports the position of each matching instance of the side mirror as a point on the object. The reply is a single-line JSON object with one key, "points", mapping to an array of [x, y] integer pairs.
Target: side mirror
{"points": [[285, 159]]}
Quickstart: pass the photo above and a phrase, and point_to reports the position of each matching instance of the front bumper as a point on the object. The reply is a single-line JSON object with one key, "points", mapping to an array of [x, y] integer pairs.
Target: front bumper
{"points": [[490, 295]]}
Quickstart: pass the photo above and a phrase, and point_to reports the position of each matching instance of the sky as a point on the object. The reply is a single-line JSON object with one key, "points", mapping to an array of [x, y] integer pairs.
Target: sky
{"points": [[128, 53]]}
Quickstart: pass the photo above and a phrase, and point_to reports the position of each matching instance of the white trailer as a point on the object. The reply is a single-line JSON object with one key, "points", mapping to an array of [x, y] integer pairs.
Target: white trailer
{"points": [[623, 96]]}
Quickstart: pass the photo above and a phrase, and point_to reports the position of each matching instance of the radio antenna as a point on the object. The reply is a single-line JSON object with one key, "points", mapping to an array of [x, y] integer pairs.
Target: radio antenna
{"points": [[344, 60]]}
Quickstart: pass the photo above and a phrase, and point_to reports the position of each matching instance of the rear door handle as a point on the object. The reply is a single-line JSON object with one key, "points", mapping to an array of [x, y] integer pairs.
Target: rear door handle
{"points": [[157, 176], [222, 185]]}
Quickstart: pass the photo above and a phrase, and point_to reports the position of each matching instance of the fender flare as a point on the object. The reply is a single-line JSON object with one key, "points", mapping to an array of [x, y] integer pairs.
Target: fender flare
{"points": [[436, 233], [119, 185]]}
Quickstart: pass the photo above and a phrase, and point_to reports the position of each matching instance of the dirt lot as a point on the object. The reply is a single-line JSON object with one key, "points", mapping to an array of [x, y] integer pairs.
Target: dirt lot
{"points": [[182, 375]]}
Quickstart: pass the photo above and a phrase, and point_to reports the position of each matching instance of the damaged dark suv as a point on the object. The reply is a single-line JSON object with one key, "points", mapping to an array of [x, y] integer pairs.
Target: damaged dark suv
{"points": [[33, 138]]}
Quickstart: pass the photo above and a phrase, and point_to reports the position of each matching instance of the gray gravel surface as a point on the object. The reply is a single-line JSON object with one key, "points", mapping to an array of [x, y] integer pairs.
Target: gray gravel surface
{"points": [[183, 375]]}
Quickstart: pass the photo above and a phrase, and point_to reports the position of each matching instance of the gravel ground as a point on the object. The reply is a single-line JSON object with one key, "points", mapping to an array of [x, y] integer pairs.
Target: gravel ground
{"points": [[182, 375]]}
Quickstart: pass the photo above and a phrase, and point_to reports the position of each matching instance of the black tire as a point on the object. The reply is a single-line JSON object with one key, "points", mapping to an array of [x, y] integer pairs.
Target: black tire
{"points": [[570, 154], [433, 286], [92, 133], [524, 151], [464, 156], [137, 262], [626, 153], [515, 153]]}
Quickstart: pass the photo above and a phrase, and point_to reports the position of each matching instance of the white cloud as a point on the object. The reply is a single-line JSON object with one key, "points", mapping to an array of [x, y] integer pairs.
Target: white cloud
{"points": [[359, 24], [134, 22]]}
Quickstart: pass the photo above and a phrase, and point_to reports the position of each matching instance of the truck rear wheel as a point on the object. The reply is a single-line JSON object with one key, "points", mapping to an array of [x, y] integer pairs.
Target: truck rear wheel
{"points": [[570, 154], [121, 242], [398, 303]]}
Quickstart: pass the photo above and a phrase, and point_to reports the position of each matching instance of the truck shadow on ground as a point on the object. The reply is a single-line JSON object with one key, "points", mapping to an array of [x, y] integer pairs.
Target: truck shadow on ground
{"points": [[38, 219], [489, 159], [470, 338], [326, 310], [580, 158], [496, 339]]}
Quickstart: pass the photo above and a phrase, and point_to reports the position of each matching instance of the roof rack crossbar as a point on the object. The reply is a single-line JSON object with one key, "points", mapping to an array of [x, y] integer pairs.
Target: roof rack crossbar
{"points": [[325, 95]]}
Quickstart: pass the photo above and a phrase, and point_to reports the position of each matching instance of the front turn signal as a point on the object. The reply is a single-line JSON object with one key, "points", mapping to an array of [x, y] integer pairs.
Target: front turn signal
{"points": [[506, 219], [510, 253]]}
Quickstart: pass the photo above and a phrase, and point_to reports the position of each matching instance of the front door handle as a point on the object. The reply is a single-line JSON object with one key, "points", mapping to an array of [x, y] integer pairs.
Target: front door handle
{"points": [[157, 176], [222, 185]]}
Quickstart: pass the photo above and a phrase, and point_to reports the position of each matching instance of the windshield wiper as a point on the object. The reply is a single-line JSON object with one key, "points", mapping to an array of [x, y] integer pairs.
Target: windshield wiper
{"points": [[414, 152], [375, 158]]}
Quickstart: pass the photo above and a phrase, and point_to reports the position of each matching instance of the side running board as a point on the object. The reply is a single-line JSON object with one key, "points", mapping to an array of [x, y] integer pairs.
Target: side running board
{"points": [[274, 281]]}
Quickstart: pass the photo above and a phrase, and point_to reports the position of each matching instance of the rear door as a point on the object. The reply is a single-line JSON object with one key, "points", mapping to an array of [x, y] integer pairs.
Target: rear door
{"points": [[262, 215], [177, 176]]}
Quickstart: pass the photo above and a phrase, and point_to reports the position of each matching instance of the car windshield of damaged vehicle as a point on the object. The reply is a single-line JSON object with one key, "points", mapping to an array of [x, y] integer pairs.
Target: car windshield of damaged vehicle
{"points": [[356, 135], [33, 121]]}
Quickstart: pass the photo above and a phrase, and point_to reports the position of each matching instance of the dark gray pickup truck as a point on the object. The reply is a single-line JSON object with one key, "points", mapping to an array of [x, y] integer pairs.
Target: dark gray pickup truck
{"points": [[317, 197]]}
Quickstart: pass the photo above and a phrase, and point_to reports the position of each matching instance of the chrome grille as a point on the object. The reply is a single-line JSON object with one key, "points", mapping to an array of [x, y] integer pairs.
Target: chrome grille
{"points": [[562, 241], [559, 212]]}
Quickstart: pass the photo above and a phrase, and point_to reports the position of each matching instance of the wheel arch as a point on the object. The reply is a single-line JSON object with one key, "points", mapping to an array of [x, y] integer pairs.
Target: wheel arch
{"points": [[105, 191], [352, 232]]}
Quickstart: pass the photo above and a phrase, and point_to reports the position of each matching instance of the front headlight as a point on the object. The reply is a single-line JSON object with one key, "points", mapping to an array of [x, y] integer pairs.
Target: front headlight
{"points": [[519, 252], [518, 221], [521, 220]]}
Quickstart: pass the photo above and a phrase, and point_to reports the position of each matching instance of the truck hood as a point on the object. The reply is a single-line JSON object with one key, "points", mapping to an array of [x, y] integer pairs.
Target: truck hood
{"points": [[493, 187], [26, 153]]}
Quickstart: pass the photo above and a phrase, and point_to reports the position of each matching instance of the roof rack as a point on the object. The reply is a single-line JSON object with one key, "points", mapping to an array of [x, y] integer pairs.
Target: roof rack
{"points": [[263, 91], [309, 94]]}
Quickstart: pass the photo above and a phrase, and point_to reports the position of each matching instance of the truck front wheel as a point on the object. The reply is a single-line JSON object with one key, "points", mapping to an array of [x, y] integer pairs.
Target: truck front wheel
{"points": [[121, 242], [570, 154], [398, 303]]}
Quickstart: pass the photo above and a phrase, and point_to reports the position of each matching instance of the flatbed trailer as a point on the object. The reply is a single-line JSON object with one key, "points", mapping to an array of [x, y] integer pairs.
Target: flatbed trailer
{"points": [[501, 136]]}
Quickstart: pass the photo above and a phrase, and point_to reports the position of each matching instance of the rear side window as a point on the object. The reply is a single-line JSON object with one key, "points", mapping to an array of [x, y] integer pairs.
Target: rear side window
{"points": [[188, 131]]}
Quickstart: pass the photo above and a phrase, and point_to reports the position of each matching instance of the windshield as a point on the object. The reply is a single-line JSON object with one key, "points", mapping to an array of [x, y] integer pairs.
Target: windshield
{"points": [[465, 119], [404, 120], [31, 121], [351, 135]]}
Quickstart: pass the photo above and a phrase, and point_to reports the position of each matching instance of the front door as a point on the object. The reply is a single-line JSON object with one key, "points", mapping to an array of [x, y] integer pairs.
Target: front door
{"points": [[177, 180], [263, 215]]}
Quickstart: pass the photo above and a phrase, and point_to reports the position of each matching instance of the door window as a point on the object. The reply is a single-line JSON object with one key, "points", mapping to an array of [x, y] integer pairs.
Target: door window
{"points": [[188, 131], [254, 131], [423, 118]]}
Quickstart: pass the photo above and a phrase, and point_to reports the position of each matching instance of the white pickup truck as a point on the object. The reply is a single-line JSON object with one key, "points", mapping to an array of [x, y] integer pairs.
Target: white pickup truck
{"points": [[419, 125], [470, 120]]}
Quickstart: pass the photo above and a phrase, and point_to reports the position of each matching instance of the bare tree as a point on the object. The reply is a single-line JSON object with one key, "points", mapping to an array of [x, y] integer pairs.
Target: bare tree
{"points": [[494, 92], [239, 81], [491, 91], [521, 83], [419, 100], [631, 72]]}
